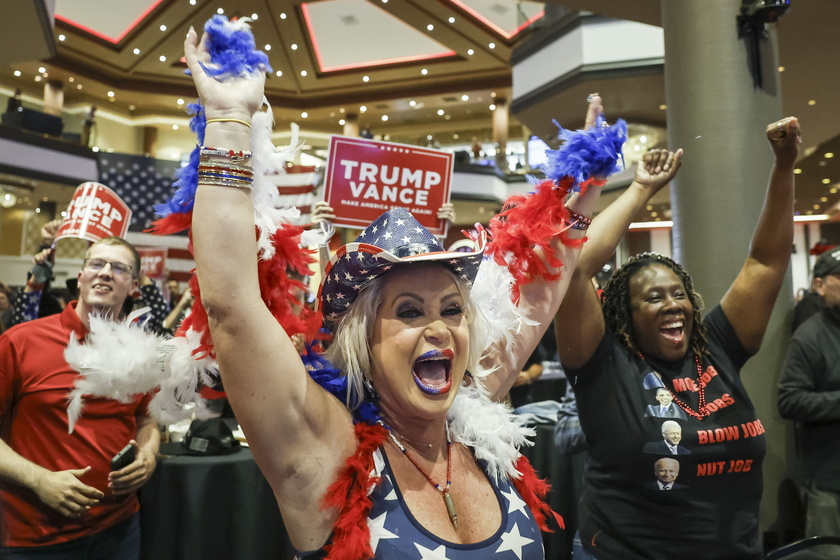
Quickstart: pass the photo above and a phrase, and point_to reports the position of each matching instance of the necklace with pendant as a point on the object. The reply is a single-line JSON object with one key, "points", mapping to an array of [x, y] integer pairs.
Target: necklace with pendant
{"points": [[701, 393], [444, 490]]}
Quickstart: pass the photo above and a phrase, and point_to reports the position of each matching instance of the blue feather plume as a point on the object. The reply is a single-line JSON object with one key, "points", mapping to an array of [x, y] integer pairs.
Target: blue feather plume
{"points": [[233, 51], [587, 153], [183, 198]]}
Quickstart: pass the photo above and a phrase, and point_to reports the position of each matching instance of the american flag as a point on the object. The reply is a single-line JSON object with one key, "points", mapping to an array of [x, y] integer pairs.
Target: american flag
{"points": [[141, 182]]}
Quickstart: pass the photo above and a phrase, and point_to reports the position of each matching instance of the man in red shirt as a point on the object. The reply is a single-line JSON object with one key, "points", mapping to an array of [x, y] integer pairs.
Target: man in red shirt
{"points": [[58, 496]]}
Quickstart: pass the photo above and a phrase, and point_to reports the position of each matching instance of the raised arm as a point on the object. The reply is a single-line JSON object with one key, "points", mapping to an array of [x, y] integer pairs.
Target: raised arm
{"points": [[298, 433], [579, 323], [749, 301]]}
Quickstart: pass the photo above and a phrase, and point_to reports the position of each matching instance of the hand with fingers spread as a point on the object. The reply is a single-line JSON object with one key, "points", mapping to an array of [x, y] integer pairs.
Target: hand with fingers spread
{"points": [[64, 492]]}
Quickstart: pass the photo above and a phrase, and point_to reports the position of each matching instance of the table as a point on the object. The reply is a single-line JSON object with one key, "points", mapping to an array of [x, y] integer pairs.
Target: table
{"points": [[565, 472], [210, 508]]}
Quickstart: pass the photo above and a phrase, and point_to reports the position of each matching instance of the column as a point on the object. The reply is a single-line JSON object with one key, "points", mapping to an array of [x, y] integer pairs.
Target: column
{"points": [[717, 115], [53, 97], [500, 132]]}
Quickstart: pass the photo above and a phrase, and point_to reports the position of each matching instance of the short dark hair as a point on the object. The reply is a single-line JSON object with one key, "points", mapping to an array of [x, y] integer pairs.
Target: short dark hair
{"points": [[114, 240], [618, 313]]}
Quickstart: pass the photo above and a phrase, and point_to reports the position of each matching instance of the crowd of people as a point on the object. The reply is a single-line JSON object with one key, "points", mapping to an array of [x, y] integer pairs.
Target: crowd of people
{"points": [[415, 451]]}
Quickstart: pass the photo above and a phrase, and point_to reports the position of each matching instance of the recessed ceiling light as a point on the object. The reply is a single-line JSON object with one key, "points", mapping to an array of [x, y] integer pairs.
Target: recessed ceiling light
{"points": [[110, 94], [663, 107], [174, 127], [278, 73], [828, 155], [492, 107], [384, 118], [17, 73], [304, 73], [781, 68], [62, 37], [424, 71], [440, 112], [79, 86], [812, 102], [470, 52], [41, 69], [268, 47], [491, 46], [455, 136], [826, 181], [412, 103], [824, 199], [365, 79], [180, 101], [192, 2], [283, 15], [293, 46], [38, 78], [341, 110], [304, 115], [465, 97], [220, 11], [136, 51], [162, 58], [163, 28], [363, 108], [430, 27], [451, 19], [797, 171], [341, 122], [255, 16], [429, 137]]}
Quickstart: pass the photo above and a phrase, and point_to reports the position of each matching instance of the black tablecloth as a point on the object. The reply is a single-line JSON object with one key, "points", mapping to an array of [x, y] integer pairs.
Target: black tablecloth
{"points": [[565, 472], [210, 508]]}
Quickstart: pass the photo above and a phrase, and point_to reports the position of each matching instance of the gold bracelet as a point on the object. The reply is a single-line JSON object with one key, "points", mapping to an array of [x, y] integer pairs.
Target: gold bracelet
{"points": [[240, 121]]}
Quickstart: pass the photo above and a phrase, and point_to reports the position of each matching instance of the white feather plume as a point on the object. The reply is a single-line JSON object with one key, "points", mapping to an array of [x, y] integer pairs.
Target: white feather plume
{"points": [[491, 429]]}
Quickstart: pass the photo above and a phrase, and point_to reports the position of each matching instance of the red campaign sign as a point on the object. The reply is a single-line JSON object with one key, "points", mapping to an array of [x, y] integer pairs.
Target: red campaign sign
{"points": [[365, 178], [152, 261], [96, 212]]}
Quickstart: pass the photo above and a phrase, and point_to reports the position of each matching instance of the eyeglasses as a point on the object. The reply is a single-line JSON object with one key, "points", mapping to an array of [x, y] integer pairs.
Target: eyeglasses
{"points": [[118, 268]]}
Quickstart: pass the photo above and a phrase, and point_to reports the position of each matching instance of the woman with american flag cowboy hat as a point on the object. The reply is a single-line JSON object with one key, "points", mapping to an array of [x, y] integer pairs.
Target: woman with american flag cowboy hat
{"points": [[416, 458]]}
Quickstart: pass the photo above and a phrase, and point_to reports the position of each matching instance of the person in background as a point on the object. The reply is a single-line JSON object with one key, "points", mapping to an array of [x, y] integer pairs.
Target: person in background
{"points": [[809, 394], [650, 321], [58, 495], [6, 307], [173, 288], [811, 301]]}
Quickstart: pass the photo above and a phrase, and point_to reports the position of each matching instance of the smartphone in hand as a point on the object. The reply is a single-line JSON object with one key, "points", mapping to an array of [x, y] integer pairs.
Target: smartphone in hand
{"points": [[124, 457]]}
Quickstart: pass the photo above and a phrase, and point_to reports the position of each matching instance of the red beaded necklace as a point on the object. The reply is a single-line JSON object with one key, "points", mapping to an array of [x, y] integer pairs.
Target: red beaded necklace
{"points": [[701, 393], [447, 499]]}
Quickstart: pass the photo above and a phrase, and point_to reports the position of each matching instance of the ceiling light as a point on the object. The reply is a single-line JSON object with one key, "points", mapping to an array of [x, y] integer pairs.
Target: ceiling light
{"points": [[365, 79], [95, 148], [192, 2], [455, 136], [384, 118], [180, 102], [174, 127], [465, 97], [824, 199], [797, 171], [79, 86], [41, 69], [781, 68], [341, 110], [493, 107], [470, 52], [136, 51], [663, 107], [440, 112], [220, 11], [491, 46], [636, 148], [162, 58], [278, 73], [71, 79], [268, 47], [17, 73], [451, 19], [429, 137], [131, 107], [812, 102], [8, 200], [62, 37], [255, 16], [303, 73], [38, 210], [643, 139], [412, 103], [304, 115], [293, 46], [430, 27], [341, 122], [283, 15], [826, 181], [363, 108], [163, 28], [110, 94], [828, 155], [38, 78], [424, 71], [816, 206]]}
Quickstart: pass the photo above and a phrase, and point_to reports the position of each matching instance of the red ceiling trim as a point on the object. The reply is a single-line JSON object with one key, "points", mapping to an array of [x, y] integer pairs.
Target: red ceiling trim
{"points": [[487, 23], [112, 40]]}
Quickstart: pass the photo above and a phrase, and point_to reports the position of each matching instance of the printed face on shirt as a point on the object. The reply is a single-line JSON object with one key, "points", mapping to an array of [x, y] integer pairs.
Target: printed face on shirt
{"points": [[662, 313], [829, 288], [672, 432], [664, 397], [420, 342], [102, 290], [666, 470]]}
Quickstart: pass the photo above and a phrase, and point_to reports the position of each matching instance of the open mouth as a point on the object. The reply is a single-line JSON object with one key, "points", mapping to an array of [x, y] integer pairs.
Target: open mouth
{"points": [[673, 331], [432, 371], [102, 288]]}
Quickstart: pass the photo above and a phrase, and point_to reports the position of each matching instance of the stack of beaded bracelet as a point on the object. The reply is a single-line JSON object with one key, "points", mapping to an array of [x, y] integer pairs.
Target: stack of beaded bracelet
{"points": [[225, 168], [578, 221]]}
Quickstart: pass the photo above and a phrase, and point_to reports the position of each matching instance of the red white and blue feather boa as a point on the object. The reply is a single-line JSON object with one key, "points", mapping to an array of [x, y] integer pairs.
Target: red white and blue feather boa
{"points": [[519, 253]]}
